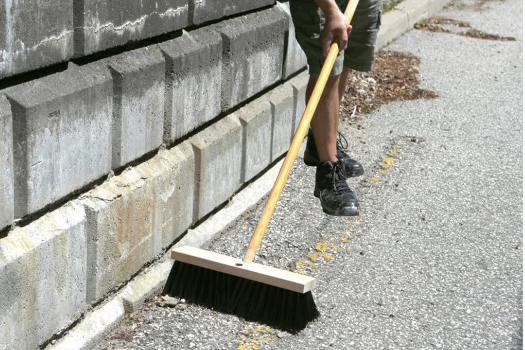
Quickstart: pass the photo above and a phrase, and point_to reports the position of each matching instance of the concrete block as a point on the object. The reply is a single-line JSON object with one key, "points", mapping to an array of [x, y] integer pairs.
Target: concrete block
{"points": [[294, 57], [416, 10], [134, 216], [299, 84], [93, 328], [218, 156], [283, 118], [62, 135], [256, 120], [138, 103], [43, 278], [252, 59], [173, 175], [208, 10], [193, 81], [6, 161], [103, 24], [393, 24], [34, 34]]}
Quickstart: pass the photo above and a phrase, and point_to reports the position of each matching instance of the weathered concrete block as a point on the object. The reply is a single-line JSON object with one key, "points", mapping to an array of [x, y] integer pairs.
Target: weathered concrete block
{"points": [[208, 10], [62, 135], [138, 103], [252, 60], [134, 216], [103, 24], [256, 120], [43, 278], [6, 161], [294, 57], [34, 34], [173, 175], [283, 118], [299, 84], [193, 81], [218, 156]]}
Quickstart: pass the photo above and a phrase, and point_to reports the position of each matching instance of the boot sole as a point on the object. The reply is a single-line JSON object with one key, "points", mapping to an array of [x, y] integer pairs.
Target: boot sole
{"points": [[345, 211]]}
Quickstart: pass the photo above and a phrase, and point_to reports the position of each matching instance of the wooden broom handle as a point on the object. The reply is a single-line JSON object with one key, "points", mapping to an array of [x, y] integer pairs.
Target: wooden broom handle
{"points": [[296, 143]]}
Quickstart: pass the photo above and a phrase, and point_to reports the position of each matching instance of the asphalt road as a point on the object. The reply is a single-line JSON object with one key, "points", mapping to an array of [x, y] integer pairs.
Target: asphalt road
{"points": [[435, 259]]}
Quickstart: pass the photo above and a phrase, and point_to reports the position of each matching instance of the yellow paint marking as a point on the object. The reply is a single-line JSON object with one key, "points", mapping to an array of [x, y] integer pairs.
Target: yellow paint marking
{"points": [[255, 341], [299, 263], [327, 256], [388, 160], [375, 179], [385, 166], [321, 247], [392, 153], [382, 172], [309, 263], [313, 256], [397, 146]]}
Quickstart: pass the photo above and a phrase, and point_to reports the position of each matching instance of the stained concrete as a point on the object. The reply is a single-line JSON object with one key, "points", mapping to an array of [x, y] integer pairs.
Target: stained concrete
{"points": [[104, 24], [138, 103], [62, 134], [6, 161], [43, 278], [34, 34], [193, 81]]}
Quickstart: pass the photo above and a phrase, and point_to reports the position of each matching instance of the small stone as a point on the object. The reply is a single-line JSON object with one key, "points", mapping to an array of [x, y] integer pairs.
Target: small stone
{"points": [[280, 335]]}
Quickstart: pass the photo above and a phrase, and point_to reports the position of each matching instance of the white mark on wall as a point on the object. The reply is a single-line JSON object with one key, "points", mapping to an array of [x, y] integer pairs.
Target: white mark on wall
{"points": [[137, 24]]}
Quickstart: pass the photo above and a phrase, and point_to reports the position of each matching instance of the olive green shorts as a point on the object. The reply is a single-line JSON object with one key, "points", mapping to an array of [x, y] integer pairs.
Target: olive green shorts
{"points": [[309, 22]]}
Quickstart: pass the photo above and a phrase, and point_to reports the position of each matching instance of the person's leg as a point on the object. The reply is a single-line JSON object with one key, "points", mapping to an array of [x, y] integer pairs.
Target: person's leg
{"points": [[326, 118], [343, 79]]}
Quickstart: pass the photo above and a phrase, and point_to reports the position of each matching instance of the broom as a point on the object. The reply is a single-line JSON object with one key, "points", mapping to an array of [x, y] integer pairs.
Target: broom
{"points": [[256, 292]]}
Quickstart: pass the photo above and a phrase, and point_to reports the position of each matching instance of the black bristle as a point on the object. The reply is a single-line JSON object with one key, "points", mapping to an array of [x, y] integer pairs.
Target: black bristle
{"points": [[251, 300]]}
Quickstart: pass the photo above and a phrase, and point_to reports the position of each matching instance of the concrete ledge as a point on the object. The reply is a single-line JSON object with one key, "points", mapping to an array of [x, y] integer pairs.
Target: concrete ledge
{"points": [[138, 103], [294, 57], [204, 11], [6, 159], [47, 40], [92, 329], [43, 278], [103, 24], [144, 286], [62, 134], [218, 156], [193, 79], [252, 56]]}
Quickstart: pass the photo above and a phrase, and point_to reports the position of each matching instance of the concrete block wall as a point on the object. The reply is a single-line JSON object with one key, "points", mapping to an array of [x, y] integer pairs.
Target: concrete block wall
{"points": [[294, 58], [43, 278], [34, 34], [6, 161], [66, 130], [64, 29]]}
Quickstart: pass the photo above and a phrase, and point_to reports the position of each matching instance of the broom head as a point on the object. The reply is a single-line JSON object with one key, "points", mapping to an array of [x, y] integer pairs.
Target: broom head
{"points": [[256, 292]]}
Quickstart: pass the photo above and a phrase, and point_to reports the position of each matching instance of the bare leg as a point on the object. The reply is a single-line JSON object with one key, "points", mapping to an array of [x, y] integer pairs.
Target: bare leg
{"points": [[343, 79], [326, 118]]}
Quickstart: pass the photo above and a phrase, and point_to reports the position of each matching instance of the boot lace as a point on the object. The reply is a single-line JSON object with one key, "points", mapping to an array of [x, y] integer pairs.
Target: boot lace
{"points": [[339, 178], [341, 142]]}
